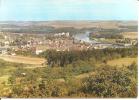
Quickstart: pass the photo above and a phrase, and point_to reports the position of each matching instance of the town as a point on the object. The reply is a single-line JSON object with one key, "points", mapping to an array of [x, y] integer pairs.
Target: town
{"points": [[12, 44]]}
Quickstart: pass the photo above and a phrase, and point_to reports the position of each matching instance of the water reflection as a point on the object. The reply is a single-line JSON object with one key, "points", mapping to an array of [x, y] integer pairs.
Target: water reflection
{"points": [[84, 37]]}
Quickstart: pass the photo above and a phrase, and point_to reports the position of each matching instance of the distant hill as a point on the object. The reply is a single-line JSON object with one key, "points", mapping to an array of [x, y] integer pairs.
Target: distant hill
{"points": [[52, 26]]}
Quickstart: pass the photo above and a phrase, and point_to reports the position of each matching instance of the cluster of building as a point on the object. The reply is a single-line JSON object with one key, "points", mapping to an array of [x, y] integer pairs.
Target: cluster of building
{"points": [[59, 42], [66, 44], [38, 45], [62, 34]]}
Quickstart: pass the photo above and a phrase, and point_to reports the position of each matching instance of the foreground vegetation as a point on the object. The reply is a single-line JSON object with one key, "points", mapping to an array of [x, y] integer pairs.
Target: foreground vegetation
{"points": [[106, 81], [92, 73]]}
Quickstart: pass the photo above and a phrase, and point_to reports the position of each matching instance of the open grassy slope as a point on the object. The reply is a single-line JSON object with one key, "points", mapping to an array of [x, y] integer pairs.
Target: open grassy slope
{"points": [[122, 61]]}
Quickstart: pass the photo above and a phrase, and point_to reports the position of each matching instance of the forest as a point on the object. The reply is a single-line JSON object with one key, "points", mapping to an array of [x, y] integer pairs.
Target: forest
{"points": [[63, 58]]}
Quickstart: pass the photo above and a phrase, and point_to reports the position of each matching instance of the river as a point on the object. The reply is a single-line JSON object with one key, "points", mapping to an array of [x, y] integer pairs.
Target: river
{"points": [[84, 37]]}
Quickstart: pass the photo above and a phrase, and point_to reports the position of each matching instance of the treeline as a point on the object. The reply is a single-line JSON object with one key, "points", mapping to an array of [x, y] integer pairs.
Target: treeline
{"points": [[63, 58], [107, 36], [133, 28], [27, 29], [43, 29], [107, 33]]}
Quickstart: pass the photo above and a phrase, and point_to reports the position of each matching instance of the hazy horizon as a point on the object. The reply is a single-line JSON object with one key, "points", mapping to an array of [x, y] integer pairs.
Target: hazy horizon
{"points": [[67, 20]]}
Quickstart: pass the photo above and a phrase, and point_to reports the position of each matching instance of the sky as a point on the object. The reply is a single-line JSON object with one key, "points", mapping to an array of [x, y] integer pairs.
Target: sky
{"points": [[44, 10]]}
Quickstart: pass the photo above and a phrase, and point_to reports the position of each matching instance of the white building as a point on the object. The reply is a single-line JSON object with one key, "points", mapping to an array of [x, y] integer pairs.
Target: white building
{"points": [[38, 52], [40, 49]]}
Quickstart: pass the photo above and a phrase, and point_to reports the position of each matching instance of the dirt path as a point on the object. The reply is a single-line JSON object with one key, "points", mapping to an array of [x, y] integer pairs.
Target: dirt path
{"points": [[22, 59]]}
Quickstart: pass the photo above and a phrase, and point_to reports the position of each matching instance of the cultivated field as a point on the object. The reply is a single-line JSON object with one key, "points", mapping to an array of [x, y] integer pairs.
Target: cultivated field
{"points": [[130, 35], [122, 61], [85, 24], [22, 59]]}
